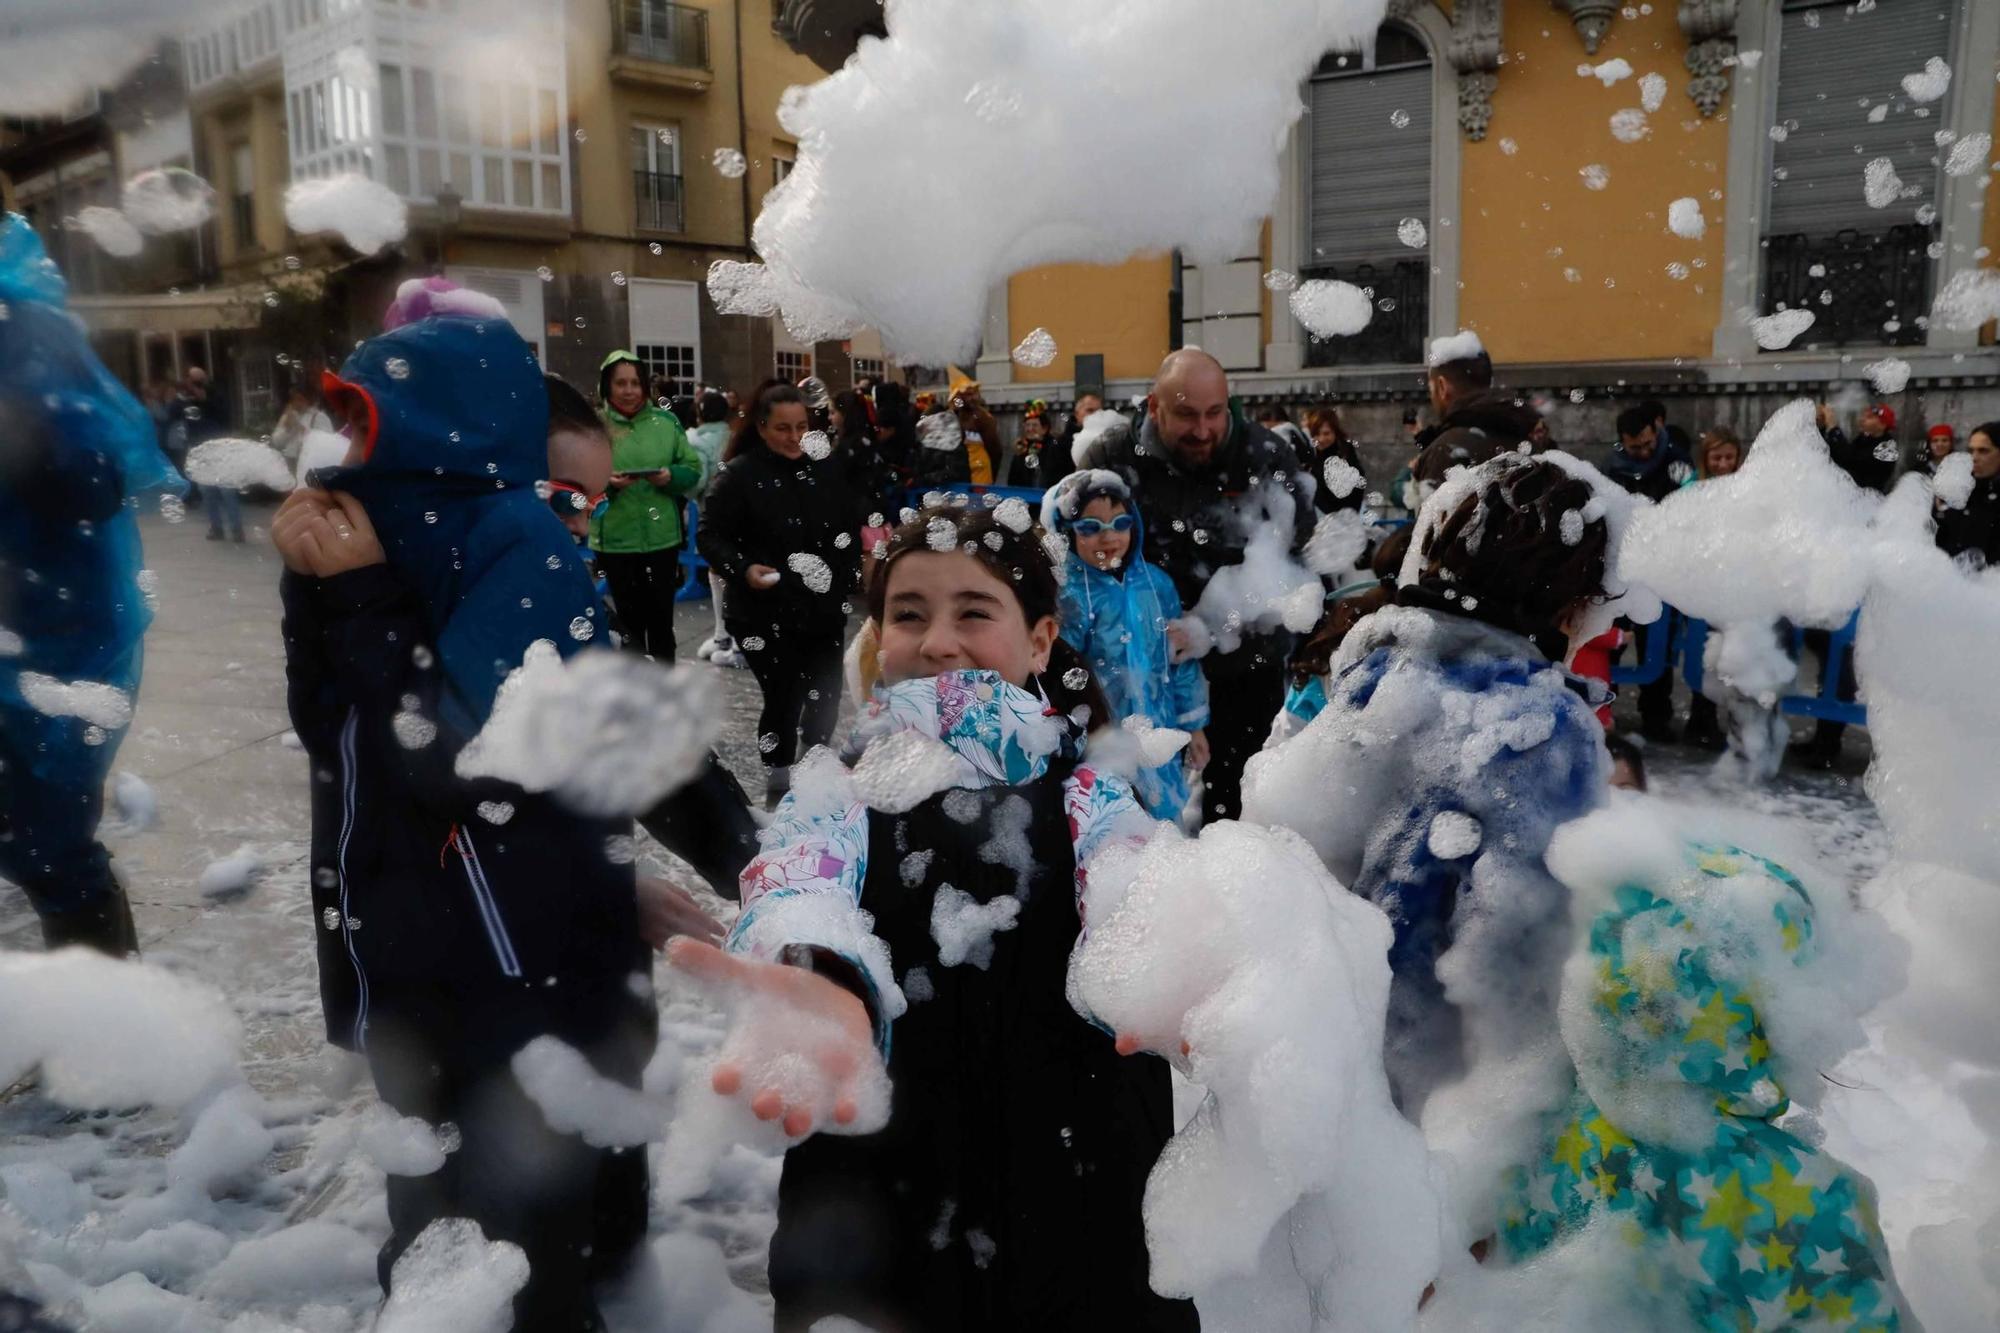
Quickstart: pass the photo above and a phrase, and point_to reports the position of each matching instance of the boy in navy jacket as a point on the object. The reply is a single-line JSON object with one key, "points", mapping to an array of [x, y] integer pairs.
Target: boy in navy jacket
{"points": [[457, 920]]}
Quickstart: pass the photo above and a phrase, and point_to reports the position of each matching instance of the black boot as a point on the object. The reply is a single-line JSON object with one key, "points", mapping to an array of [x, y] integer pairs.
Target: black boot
{"points": [[1704, 730], [105, 926], [777, 782]]}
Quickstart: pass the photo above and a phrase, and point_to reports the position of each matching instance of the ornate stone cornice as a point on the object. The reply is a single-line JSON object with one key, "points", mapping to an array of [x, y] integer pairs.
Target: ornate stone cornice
{"points": [[1710, 28], [1591, 17], [1473, 52]]}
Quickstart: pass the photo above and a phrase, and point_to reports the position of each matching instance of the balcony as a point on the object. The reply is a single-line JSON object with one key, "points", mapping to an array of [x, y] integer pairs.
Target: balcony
{"points": [[1880, 284], [658, 201], [1395, 336], [660, 44]]}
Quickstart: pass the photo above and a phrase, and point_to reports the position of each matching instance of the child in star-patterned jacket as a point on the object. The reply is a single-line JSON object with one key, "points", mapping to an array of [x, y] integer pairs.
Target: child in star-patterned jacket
{"points": [[1675, 1011]]}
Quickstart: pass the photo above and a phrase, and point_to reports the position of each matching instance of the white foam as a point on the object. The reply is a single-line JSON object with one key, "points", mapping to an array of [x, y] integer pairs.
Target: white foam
{"points": [[608, 733], [364, 213]]}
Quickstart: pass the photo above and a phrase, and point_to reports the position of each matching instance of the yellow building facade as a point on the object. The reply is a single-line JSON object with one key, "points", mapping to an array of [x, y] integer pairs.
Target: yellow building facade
{"points": [[1559, 136]]}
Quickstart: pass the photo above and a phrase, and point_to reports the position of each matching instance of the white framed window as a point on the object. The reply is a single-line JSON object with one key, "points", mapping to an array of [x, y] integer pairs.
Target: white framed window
{"points": [[869, 366], [781, 167], [674, 360], [793, 366]]}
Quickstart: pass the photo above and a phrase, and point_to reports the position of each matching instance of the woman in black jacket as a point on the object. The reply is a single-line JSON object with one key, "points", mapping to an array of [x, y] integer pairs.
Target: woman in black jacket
{"points": [[1343, 487], [1975, 525], [780, 528]]}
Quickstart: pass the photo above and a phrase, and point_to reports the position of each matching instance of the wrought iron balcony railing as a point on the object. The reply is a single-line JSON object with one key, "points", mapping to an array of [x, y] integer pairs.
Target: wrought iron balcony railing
{"points": [[1395, 336], [1863, 288], [659, 202], [658, 30]]}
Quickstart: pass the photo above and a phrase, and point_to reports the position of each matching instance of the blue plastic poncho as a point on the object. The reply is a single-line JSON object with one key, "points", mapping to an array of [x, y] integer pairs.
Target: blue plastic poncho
{"points": [[78, 454], [1118, 621]]}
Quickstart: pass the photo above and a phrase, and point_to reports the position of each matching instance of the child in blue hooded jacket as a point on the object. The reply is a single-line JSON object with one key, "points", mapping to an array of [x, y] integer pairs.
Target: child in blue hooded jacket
{"points": [[458, 920], [1119, 612]]}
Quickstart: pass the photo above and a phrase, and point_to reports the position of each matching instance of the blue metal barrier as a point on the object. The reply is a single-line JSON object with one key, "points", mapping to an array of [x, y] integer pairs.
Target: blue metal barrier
{"points": [[1029, 495], [695, 586], [1688, 644]]}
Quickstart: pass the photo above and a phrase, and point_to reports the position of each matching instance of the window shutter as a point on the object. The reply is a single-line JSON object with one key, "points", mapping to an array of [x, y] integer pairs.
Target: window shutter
{"points": [[1367, 174], [1831, 57]]}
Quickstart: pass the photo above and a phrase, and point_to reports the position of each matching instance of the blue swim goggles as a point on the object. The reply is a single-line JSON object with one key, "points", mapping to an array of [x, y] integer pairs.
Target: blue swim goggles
{"points": [[1091, 527]]}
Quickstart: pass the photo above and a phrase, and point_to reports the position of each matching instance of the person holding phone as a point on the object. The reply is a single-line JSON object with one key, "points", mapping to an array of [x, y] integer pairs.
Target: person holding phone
{"points": [[638, 535]]}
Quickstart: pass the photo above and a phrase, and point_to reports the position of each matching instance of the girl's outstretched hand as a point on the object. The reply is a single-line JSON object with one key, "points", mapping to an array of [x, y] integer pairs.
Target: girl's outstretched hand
{"points": [[800, 1048]]}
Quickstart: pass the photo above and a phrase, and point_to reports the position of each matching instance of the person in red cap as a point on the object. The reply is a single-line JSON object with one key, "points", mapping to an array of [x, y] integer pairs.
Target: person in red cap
{"points": [[1872, 455], [1940, 443]]}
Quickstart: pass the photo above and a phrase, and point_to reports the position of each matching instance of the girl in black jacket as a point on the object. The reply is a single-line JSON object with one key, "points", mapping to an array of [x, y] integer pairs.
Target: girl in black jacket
{"points": [[782, 529], [1004, 1190]]}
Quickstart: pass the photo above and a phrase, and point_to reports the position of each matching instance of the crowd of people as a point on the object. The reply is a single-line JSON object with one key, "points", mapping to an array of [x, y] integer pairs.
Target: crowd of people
{"points": [[1002, 1183]]}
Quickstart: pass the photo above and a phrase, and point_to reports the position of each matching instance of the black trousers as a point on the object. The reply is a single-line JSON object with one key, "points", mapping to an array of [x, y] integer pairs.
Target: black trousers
{"points": [[578, 1212], [643, 587], [799, 670], [1241, 706]]}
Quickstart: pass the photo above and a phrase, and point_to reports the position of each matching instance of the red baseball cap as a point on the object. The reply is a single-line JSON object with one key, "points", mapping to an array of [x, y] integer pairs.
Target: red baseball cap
{"points": [[1887, 413], [1942, 430]]}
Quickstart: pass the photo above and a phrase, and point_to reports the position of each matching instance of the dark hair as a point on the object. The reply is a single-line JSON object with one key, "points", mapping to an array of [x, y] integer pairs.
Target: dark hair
{"points": [[1632, 421], [892, 409], [1270, 412], [857, 418], [1466, 373], [1021, 560], [1990, 429], [1502, 554], [1324, 416], [1654, 409], [758, 411], [569, 409], [682, 407], [713, 407], [610, 368], [1623, 751]]}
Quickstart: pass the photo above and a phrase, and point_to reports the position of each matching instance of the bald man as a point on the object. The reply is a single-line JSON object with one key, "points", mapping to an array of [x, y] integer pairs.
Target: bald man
{"points": [[1193, 465]]}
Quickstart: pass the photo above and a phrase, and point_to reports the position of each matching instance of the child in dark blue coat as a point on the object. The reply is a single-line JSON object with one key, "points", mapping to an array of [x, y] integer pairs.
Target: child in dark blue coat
{"points": [[458, 920]]}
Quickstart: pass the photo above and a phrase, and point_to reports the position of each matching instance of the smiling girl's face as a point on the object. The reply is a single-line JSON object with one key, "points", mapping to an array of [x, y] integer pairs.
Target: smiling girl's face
{"points": [[946, 611]]}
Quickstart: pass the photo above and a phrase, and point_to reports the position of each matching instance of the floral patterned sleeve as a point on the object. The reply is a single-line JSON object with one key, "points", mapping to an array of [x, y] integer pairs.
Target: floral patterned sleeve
{"points": [[804, 889], [1103, 812]]}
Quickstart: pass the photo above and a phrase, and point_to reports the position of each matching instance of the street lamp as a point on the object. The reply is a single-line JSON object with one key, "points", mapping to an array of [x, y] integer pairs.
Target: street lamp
{"points": [[450, 204]]}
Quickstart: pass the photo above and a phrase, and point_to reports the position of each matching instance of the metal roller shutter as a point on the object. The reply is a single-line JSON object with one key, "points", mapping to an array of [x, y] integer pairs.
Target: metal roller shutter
{"points": [[1368, 174], [520, 292], [1832, 57]]}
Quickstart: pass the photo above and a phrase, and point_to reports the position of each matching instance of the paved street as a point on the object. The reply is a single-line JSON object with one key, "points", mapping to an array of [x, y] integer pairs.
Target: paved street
{"points": [[210, 736]]}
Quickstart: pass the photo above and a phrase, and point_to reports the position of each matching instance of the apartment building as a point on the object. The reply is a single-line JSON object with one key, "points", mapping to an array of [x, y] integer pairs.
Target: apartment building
{"points": [[560, 155]]}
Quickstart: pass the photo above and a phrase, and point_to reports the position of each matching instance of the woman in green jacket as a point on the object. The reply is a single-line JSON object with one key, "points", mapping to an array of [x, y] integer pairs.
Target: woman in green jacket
{"points": [[638, 535]]}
